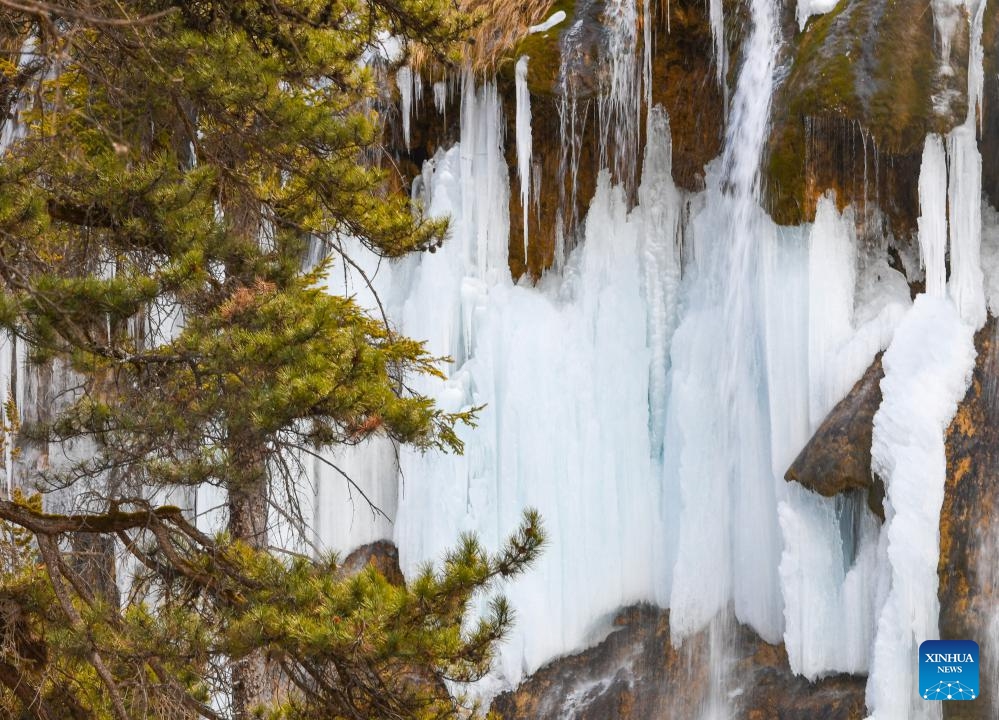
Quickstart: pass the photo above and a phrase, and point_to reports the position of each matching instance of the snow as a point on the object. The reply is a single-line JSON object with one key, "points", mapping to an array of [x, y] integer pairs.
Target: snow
{"points": [[556, 18]]}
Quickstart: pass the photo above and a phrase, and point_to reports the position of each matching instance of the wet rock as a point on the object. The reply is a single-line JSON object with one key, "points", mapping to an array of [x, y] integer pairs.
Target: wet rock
{"points": [[969, 531], [636, 673], [838, 457]]}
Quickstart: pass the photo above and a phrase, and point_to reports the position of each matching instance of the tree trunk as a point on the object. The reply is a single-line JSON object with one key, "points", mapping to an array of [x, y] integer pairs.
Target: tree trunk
{"points": [[248, 523]]}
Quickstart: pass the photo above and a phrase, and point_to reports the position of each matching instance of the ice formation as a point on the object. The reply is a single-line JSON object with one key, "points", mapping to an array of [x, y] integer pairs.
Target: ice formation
{"points": [[933, 215], [717, 443], [524, 144], [556, 18], [649, 394], [809, 8], [620, 104], [404, 80], [927, 369]]}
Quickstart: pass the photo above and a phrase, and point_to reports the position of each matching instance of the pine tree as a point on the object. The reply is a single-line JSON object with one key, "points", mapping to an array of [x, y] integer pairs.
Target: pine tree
{"points": [[180, 163]]}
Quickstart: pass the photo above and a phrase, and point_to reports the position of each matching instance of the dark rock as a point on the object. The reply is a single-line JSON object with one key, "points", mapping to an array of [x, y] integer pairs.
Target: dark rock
{"points": [[771, 692], [637, 674], [382, 555], [969, 532], [989, 144], [838, 457]]}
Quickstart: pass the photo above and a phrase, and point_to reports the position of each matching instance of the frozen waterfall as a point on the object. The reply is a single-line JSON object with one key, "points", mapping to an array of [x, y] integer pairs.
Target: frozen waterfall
{"points": [[648, 395]]}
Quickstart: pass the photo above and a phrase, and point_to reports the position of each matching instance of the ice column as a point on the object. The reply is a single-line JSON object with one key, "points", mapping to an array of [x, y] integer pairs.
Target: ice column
{"points": [[524, 142], [933, 214], [927, 369], [404, 80], [660, 212], [965, 188]]}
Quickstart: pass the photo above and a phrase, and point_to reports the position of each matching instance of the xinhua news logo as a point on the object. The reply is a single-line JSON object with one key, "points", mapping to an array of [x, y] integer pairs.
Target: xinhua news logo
{"points": [[948, 670]]}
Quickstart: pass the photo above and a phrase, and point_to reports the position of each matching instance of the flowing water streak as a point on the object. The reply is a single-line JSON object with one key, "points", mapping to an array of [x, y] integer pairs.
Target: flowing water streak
{"points": [[718, 444], [620, 104]]}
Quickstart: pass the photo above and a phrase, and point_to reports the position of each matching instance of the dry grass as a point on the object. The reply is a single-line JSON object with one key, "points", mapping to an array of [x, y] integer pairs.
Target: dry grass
{"points": [[504, 23]]}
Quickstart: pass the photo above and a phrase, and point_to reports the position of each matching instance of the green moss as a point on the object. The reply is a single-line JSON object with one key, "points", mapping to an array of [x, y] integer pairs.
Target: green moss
{"points": [[866, 61], [544, 50]]}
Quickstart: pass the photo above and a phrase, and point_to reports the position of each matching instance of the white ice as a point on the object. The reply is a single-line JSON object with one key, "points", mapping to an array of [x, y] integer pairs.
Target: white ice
{"points": [[556, 18], [927, 370], [524, 143]]}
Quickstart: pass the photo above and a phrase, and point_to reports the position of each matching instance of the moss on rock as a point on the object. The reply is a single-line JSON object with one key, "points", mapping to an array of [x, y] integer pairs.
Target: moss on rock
{"points": [[863, 68]]}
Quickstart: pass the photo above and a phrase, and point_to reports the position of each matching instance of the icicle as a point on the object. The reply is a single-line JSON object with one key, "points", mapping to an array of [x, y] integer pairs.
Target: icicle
{"points": [[966, 285], [659, 207], [647, 49], [404, 81], [832, 260], [417, 92], [933, 214], [717, 16], [440, 96], [486, 202], [524, 142]]}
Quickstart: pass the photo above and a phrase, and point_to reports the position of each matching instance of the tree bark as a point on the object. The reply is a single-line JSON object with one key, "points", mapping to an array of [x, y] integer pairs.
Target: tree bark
{"points": [[248, 523]]}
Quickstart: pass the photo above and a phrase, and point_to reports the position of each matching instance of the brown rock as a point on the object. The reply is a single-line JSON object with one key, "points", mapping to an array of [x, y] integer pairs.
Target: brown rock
{"points": [[863, 90], [382, 555], [636, 674], [969, 532], [838, 457]]}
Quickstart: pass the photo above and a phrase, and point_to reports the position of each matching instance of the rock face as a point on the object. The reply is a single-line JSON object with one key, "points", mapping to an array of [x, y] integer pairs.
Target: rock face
{"points": [[969, 531], [838, 457], [865, 83], [636, 674]]}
